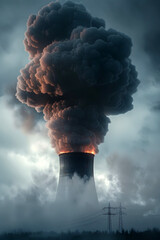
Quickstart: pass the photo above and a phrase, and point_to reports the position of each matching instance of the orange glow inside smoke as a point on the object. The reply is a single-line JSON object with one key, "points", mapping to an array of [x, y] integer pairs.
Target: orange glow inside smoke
{"points": [[88, 149]]}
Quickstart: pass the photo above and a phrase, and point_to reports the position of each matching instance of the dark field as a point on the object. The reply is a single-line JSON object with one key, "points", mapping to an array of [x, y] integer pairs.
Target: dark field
{"points": [[132, 234]]}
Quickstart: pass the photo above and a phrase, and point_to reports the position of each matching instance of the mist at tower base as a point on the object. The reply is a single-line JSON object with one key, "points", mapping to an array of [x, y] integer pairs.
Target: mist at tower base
{"points": [[78, 205], [77, 166]]}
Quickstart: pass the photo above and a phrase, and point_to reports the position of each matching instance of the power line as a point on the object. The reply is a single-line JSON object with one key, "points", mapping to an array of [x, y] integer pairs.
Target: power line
{"points": [[83, 220], [96, 217], [85, 223]]}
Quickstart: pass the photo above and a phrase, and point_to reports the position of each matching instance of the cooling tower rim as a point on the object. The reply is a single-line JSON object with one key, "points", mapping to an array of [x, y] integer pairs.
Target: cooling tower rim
{"points": [[80, 153]]}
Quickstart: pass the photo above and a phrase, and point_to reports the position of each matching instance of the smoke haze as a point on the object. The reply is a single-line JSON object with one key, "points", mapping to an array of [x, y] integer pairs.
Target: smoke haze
{"points": [[34, 209]]}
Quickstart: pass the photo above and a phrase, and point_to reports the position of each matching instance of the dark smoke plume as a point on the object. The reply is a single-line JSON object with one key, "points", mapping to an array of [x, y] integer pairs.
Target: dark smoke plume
{"points": [[79, 73]]}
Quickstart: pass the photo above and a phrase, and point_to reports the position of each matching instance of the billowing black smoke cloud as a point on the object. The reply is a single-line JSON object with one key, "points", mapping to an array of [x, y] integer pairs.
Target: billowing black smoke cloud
{"points": [[78, 74]]}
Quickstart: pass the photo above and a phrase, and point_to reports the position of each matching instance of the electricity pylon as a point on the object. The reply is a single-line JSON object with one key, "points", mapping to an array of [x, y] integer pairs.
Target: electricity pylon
{"points": [[109, 213], [121, 213]]}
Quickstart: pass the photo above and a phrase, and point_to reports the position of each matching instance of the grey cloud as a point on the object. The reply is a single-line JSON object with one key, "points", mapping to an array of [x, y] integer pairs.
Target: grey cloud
{"points": [[25, 117], [139, 191], [156, 107], [8, 132], [12, 27]]}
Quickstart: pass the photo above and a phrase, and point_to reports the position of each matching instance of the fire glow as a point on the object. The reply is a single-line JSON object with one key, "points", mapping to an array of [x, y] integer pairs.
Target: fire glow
{"points": [[88, 149]]}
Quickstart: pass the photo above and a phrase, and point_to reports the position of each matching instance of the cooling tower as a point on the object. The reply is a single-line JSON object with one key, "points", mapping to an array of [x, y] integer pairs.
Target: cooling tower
{"points": [[76, 179], [76, 163]]}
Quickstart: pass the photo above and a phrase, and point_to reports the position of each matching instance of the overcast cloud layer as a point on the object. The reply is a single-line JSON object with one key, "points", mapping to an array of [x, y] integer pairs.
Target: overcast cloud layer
{"points": [[127, 166]]}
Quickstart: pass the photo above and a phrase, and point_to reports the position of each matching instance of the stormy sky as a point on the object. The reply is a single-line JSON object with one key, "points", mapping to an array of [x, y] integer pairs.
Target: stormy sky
{"points": [[127, 165]]}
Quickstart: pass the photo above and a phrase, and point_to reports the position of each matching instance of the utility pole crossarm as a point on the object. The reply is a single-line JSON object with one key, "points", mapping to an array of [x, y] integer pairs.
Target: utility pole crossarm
{"points": [[109, 214]]}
